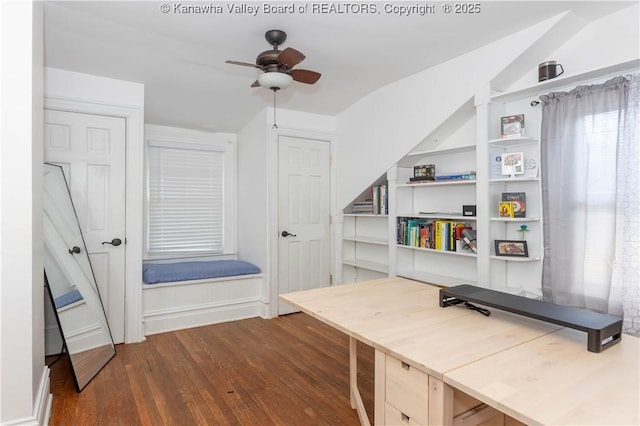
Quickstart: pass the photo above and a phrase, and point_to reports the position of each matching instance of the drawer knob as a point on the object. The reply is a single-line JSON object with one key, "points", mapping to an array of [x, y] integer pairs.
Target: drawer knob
{"points": [[405, 365]]}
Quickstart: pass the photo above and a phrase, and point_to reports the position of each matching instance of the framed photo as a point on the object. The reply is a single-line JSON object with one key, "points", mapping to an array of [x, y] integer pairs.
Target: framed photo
{"points": [[512, 126], [512, 163], [514, 248], [424, 172]]}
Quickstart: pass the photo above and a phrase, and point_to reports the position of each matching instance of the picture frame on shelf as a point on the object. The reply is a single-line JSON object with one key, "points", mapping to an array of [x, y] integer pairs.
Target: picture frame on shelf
{"points": [[518, 202], [511, 248], [423, 172], [512, 164], [512, 126]]}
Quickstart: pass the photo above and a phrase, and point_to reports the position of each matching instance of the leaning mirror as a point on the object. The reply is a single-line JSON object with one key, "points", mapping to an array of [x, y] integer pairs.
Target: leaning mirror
{"points": [[71, 282]]}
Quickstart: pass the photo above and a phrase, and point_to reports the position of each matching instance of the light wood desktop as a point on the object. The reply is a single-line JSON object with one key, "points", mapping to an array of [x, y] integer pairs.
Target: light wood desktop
{"points": [[435, 365]]}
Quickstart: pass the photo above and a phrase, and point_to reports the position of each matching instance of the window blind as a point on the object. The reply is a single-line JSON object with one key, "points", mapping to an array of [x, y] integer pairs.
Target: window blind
{"points": [[186, 199]]}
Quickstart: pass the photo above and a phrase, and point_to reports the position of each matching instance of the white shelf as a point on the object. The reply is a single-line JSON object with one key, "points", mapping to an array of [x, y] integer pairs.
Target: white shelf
{"points": [[454, 253], [437, 183], [366, 264], [381, 216], [435, 279], [511, 142], [511, 180], [516, 259], [514, 219], [367, 240], [439, 216], [442, 151]]}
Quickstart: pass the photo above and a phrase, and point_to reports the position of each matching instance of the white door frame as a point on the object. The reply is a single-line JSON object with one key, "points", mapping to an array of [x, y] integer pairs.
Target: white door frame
{"points": [[273, 256], [134, 143]]}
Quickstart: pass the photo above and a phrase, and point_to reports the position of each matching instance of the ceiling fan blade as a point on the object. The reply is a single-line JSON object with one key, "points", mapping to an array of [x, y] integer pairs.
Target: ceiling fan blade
{"points": [[255, 84], [290, 57], [305, 76], [245, 64]]}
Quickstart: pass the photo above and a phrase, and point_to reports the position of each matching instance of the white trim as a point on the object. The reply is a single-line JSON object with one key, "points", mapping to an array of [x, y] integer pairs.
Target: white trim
{"points": [[41, 407], [273, 188], [194, 303], [134, 116]]}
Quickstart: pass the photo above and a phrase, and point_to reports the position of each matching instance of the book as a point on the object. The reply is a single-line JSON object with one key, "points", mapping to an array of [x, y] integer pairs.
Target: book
{"points": [[469, 237], [518, 199], [384, 199], [512, 126], [505, 209], [466, 175]]}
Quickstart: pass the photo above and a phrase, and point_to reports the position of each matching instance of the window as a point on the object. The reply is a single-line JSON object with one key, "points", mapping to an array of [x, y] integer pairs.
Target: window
{"points": [[190, 197]]}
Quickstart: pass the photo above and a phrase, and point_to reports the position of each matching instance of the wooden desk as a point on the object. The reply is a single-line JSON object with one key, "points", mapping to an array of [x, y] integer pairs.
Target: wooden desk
{"points": [[402, 320], [555, 380], [532, 371]]}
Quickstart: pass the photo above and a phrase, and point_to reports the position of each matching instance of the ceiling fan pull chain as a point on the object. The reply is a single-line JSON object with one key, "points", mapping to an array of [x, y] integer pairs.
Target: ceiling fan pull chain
{"points": [[275, 125]]}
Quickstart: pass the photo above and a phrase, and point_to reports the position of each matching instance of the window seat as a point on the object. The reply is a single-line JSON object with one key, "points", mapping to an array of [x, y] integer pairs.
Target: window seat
{"points": [[154, 273], [195, 293]]}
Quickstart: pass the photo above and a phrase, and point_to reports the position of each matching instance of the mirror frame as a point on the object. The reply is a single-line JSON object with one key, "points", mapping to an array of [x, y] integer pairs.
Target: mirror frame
{"points": [[84, 314]]}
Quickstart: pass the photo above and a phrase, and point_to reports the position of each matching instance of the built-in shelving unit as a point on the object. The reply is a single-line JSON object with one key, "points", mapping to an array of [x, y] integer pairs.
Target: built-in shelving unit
{"points": [[467, 140], [436, 203], [365, 238]]}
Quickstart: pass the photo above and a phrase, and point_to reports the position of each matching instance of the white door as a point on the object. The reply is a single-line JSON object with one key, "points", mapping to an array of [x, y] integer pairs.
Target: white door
{"points": [[91, 150], [304, 216]]}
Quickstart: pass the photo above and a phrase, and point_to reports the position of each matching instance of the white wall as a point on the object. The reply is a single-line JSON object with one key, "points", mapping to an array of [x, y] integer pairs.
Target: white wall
{"points": [[24, 388], [382, 127], [252, 172]]}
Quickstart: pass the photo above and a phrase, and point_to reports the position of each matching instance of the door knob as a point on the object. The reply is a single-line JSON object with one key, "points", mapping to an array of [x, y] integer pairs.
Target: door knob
{"points": [[74, 250], [115, 242], [288, 234]]}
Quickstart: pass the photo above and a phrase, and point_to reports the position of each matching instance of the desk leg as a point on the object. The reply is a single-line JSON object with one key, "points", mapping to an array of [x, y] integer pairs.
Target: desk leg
{"points": [[440, 402], [354, 392], [379, 387]]}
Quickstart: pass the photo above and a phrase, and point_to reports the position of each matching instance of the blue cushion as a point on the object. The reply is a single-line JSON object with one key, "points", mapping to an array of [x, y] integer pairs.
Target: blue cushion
{"points": [[153, 273], [67, 299]]}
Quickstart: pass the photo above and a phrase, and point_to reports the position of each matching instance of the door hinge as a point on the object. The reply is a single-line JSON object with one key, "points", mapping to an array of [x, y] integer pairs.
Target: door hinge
{"points": [[330, 279], [330, 220]]}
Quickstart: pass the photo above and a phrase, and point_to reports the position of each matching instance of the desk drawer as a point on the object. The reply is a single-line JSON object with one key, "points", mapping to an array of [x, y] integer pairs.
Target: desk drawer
{"points": [[394, 417], [407, 389]]}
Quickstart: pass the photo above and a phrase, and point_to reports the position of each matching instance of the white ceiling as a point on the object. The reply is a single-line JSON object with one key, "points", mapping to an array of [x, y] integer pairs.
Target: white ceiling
{"points": [[180, 57]]}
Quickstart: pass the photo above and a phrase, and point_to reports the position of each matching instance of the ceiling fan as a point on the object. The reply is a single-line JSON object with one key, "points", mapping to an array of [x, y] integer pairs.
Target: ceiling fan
{"points": [[277, 65]]}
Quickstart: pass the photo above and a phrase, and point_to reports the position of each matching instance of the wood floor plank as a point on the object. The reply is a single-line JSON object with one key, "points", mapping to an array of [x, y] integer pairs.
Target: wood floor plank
{"points": [[292, 370]]}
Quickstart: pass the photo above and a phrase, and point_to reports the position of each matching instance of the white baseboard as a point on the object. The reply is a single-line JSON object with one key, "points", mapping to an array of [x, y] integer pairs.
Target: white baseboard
{"points": [[41, 407], [199, 315]]}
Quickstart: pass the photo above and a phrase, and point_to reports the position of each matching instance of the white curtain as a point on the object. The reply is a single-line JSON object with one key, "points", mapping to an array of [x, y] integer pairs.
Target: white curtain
{"points": [[590, 174]]}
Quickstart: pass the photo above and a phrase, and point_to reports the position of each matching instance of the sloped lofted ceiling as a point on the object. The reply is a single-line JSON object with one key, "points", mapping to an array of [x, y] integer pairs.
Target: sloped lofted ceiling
{"points": [[180, 57]]}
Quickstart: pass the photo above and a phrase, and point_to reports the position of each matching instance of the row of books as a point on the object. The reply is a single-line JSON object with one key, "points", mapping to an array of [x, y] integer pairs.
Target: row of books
{"points": [[378, 203], [436, 234], [465, 175]]}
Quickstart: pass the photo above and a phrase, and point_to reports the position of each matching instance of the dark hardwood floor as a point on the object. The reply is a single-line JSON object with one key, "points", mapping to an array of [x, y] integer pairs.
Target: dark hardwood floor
{"points": [[292, 370]]}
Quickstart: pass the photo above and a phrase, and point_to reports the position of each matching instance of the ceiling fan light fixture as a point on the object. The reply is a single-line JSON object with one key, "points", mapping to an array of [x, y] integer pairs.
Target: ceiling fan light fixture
{"points": [[274, 80]]}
